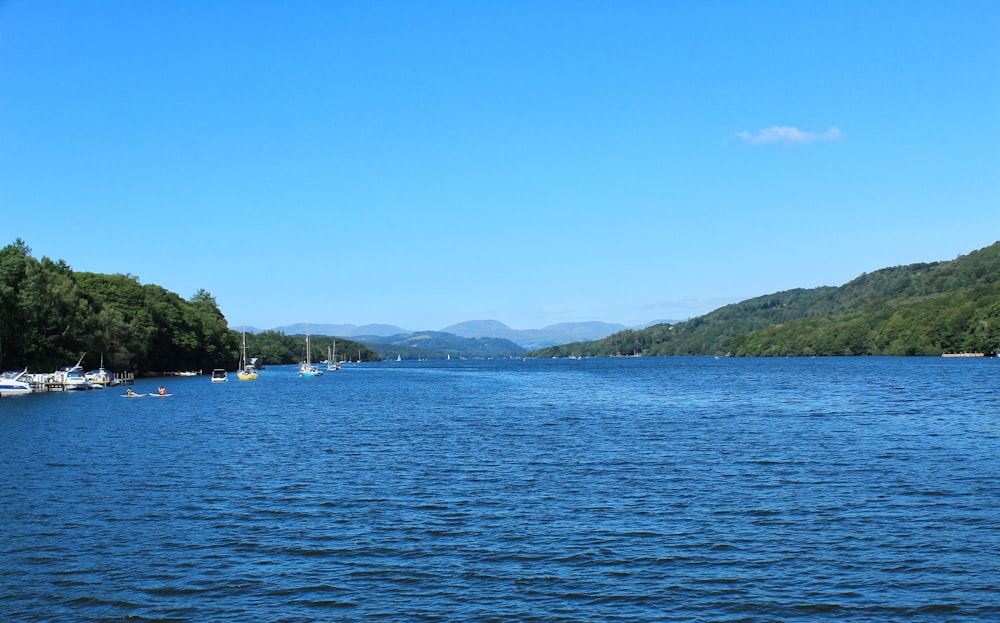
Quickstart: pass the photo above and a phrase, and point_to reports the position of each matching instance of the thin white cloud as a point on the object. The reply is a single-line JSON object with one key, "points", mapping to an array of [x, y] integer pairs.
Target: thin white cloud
{"points": [[787, 135]]}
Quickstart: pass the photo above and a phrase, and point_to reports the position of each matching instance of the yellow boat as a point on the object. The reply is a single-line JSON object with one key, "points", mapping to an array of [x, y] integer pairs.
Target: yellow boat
{"points": [[246, 371]]}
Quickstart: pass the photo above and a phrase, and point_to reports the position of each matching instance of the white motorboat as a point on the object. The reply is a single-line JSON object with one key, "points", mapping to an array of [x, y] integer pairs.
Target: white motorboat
{"points": [[15, 383], [73, 377]]}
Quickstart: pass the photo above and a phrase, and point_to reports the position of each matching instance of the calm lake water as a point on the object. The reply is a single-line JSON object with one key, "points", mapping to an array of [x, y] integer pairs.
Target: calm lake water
{"points": [[660, 489]]}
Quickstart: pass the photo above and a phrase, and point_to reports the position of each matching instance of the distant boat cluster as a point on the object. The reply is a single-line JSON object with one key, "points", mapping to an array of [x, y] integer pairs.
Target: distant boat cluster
{"points": [[307, 368], [74, 378], [248, 368]]}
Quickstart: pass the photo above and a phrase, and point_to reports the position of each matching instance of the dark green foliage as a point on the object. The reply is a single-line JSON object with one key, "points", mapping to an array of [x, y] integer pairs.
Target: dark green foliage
{"points": [[50, 316], [920, 309], [274, 347]]}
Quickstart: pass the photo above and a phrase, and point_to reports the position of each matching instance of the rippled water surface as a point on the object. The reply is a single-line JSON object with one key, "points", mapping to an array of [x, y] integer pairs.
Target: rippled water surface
{"points": [[687, 489]]}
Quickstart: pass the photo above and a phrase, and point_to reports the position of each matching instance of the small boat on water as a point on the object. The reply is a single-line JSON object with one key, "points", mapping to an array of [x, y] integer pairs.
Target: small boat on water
{"points": [[101, 377], [72, 377], [15, 383], [331, 358], [219, 375], [246, 371], [306, 368]]}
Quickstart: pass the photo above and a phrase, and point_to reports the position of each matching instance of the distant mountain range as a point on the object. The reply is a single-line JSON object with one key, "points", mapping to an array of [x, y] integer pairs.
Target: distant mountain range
{"points": [[438, 345], [339, 330], [552, 335], [561, 333]]}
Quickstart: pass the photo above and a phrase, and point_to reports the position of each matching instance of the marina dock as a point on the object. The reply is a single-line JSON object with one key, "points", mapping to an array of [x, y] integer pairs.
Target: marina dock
{"points": [[46, 383]]}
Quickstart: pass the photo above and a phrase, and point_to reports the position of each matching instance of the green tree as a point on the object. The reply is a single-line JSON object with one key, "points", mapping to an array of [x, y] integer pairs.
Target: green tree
{"points": [[50, 316]]}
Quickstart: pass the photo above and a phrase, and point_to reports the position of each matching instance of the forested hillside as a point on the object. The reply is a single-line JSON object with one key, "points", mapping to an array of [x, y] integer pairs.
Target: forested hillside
{"points": [[50, 316], [919, 309]]}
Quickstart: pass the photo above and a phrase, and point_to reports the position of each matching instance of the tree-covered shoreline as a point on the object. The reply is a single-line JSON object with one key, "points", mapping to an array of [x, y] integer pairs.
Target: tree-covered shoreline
{"points": [[50, 316], [924, 309]]}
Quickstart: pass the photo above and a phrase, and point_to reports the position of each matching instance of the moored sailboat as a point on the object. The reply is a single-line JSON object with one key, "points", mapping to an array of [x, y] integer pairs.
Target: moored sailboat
{"points": [[306, 368], [331, 357], [246, 371], [101, 377]]}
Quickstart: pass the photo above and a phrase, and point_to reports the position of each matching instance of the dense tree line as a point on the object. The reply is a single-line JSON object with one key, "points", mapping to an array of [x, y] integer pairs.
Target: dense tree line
{"points": [[274, 347], [919, 309], [50, 316]]}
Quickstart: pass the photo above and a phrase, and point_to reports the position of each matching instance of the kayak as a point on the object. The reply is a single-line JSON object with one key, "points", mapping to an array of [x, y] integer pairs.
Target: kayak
{"points": [[142, 395]]}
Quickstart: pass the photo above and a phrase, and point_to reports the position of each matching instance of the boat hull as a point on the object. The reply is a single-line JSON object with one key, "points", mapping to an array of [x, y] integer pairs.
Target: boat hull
{"points": [[72, 378], [15, 384], [309, 370], [14, 389], [99, 379]]}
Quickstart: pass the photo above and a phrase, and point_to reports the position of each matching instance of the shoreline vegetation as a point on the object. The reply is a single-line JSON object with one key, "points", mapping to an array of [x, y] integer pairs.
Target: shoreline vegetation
{"points": [[925, 309], [50, 315]]}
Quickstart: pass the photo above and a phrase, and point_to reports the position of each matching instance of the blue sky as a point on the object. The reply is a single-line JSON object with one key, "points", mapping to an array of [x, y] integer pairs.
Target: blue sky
{"points": [[426, 163]]}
